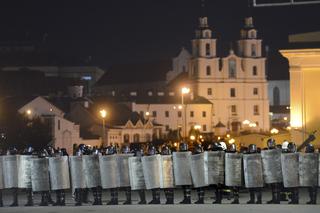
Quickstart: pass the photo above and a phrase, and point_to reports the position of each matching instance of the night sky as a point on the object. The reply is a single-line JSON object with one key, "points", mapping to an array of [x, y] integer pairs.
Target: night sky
{"points": [[119, 31]]}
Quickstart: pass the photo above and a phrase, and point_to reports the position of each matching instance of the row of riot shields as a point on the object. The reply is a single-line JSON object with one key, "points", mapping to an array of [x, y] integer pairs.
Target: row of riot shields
{"points": [[160, 171]]}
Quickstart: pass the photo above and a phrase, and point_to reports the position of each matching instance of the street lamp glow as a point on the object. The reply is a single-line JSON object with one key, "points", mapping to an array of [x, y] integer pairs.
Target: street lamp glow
{"points": [[192, 137], [285, 118], [103, 113], [197, 127], [179, 107], [147, 113], [252, 125], [185, 90], [228, 135], [29, 112], [274, 131], [232, 140], [246, 122]]}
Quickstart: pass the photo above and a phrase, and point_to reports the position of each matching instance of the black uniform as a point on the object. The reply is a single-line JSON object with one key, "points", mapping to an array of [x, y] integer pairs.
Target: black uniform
{"points": [[60, 194], [218, 188], [254, 192], [126, 150], [155, 192], [14, 151], [235, 189], [139, 153], [183, 147], [275, 187], [111, 150], [200, 190], [29, 151], [169, 193]]}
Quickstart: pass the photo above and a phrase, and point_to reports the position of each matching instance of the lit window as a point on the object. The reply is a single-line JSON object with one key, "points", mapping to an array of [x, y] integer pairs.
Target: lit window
{"points": [[87, 78]]}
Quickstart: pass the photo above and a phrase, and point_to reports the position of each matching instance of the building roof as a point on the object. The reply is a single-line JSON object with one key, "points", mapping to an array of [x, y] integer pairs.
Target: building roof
{"points": [[170, 100], [220, 125], [137, 72]]}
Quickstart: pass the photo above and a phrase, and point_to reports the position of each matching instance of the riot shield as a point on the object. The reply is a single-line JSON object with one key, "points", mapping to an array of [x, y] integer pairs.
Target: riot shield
{"points": [[181, 168], [151, 171], [216, 167], [308, 169], [91, 170], [10, 168], [76, 170], [290, 169], [166, 175], [1, 173], [136, 173], [123, 167], [199, 170], [233, 169], [40, 174], [59, 172], [253, 176], [109, 171], [271, 165], [24, 171]]}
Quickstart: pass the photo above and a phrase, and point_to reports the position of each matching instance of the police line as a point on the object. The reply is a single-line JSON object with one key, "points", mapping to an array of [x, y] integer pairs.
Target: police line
{"points": [[160, 171]]}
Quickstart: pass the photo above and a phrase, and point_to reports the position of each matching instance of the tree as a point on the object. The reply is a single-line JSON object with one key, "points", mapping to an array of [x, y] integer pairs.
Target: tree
{"points": [[20, 131]]}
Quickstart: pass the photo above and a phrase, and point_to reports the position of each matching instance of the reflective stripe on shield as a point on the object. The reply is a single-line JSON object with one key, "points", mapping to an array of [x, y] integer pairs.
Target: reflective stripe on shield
{"points": [[136, 173], [24, 171], [181, 168], [123, 167], [76, 170], [271, 165], [10, 168], [199, 169], [91, 170], [216, 167], [233, 168], [1, 173], [308, 169], [151, 171], [290, 169], [166, 175], [253, 176], [59, 172], [109, 171], [40, 174]]}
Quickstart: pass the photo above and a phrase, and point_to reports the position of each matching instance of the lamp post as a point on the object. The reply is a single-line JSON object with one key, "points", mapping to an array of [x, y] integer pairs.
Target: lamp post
{"points": [[103, 114], [184, 90]]}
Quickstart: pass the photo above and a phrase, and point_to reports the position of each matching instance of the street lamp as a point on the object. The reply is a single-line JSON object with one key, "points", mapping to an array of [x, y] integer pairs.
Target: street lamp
{"points": [[103, 114], [184, 90]]}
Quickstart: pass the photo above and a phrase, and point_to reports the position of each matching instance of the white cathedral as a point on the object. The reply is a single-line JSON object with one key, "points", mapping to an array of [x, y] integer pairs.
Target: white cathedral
{"points": [[236, 85]]}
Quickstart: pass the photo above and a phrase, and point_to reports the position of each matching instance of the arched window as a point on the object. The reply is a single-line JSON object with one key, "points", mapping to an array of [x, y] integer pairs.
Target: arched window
{"points": [[276, 96], [126, 138], [148, 137], [253, 50], [136, 138], [254, 70], [208, 50], [232, 68], [208, 70]]}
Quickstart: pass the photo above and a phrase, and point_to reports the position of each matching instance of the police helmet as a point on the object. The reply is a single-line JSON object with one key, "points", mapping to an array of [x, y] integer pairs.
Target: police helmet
{"points": [[198, 149], [309, 148], [292, 148], [253, 148], [165, 150], [271, 143], [183, 147], [152, 150], [233, 147]]}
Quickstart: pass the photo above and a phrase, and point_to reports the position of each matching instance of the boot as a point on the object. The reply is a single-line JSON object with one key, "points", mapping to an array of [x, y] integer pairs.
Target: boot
{"points": [[99, 193], [1, 201], [63, 198], [314, 196], [259, 196], [218, 196], [58, 198], [310, 195], [169, 193], [78, 197], [114, 197], [142, 196], [95, 196], [44, 199], [15, 197], [49, 198], [200, 196], [251, 201], [187, 195], [155, 197], [29, 198], [128, 196], [85, 195], [235, 196]]}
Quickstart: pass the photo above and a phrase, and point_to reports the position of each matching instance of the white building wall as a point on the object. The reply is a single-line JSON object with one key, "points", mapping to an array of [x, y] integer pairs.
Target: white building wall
{"points": [[284, 89]]}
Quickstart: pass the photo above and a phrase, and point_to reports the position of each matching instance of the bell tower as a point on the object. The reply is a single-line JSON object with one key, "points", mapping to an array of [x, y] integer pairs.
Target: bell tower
{"points": [[249, 45]]}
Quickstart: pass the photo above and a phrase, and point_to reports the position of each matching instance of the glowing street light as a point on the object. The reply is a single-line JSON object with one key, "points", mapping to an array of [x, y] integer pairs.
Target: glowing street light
{"points": [[232, 140], [184, 90], [192, 137], [197, 127], [29, 112], [274, 131], [246, 122], [103, 114]]}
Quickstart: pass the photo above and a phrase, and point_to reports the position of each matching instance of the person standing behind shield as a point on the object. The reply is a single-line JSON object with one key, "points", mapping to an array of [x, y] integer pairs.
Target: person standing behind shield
{"points": [[168, 192], [10, 166]]}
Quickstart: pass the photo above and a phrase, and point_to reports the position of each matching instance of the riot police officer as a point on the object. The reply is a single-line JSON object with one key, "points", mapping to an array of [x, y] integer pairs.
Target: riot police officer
{"points": [[218, 188], [29, 151], [312, 189], [126, 150], [183, 147], [111, 150], [255, 191], [139, 152], [45, 195], [235, 188], [10, 178], [156, 191], [294, 190], [168, 192], [200, 190], [275, 187]]}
